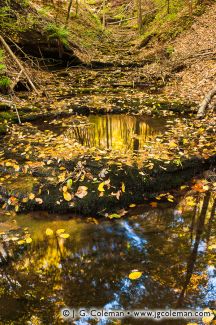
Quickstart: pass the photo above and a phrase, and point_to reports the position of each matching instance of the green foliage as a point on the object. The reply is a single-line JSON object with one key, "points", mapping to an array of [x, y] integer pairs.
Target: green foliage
{"points": [[170, 49], [2, 66], [25, 3], [4, 16], [5, 116], [4, 82], [58, 32], [44, 11], [97, 20]]}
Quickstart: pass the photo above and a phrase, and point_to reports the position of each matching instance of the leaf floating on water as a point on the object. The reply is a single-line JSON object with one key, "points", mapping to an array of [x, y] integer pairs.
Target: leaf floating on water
{"points": [[135, 275], [67, 196], [114, 216], [132, 205], [212, 247], [123, 187], [208, 319], [64, 189], [49, 232], [60, 231], [183, 187], [64, 236]]}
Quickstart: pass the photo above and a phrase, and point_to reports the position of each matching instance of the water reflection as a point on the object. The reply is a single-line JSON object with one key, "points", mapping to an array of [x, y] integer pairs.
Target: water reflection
{"points": [[118, 132], [91, 267]]}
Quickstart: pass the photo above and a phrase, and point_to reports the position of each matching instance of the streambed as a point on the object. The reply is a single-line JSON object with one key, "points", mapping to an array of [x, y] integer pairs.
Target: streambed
{"points": [[173, 245]]}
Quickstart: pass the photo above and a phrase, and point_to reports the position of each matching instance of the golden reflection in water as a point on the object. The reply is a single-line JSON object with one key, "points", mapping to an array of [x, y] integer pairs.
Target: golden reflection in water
{"points": [[125, 133]]}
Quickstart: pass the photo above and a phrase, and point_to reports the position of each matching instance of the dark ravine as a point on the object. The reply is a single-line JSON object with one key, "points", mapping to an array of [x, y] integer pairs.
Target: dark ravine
{"points": [[140, 184]]}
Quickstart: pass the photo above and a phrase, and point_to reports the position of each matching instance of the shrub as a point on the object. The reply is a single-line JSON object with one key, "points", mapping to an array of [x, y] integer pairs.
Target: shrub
{"points": [[58, 32]]}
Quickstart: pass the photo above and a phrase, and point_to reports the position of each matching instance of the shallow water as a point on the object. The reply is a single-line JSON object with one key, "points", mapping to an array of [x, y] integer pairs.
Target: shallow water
{"points": [[126, 133], [172, 245]]}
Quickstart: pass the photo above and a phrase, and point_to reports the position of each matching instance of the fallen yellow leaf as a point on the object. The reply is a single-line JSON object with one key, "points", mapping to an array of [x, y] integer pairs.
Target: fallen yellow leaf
{"points": [[49, 232], [60, 231], [28, 240], [101, 187], [132, 205], [31, 196], [64, 236], [67, 196], [135, 275]]}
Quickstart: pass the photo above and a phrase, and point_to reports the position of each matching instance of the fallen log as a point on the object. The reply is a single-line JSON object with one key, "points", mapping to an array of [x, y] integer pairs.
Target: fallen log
{"points": [[206, 101]]}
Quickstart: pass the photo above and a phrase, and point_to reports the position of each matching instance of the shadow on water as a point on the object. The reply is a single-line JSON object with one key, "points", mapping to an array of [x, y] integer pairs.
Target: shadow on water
{"points": [[171, 246]]}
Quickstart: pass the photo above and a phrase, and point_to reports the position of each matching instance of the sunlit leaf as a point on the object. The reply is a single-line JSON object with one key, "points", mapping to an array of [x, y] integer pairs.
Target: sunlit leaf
{"points": [[114, 216], [69, 183], [31, 196], [101, 187], [172, 144], [208, 319], [49, 232], [21, 242], [60, 231], [64, 236], [67, 196], [123, 187], [135, 275], [28, 240], [212, 247], [183, 187], [132, 205]]}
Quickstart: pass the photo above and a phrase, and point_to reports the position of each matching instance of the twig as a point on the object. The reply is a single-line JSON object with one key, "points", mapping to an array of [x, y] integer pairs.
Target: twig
{"points": [[8, 49]]}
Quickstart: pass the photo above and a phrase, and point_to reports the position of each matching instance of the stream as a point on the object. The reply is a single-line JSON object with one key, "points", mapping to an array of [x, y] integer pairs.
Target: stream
{"points": [[172, 245]]}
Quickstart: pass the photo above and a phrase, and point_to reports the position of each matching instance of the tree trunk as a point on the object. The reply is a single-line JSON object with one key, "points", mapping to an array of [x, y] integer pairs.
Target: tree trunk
{"points": [[104, 14], [139, 15], [168, 6], [203, 106], [68, 12]]}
